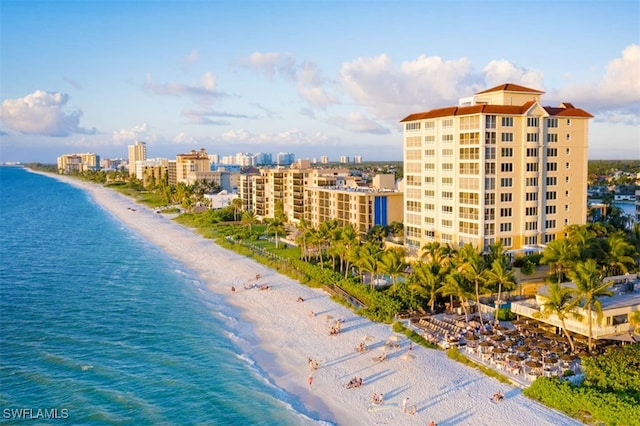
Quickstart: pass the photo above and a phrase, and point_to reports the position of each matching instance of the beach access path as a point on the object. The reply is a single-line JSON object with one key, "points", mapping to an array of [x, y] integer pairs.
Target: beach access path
{"points": [[440, 389]]}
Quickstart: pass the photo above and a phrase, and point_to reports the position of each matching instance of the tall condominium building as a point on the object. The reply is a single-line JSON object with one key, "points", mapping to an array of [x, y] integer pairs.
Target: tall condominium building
{"points": [[71, 163], [324, 159], [357, 159], [152, 171], [285, 158], [344, 159], [187, 165], [497, 167], [137, 152]]}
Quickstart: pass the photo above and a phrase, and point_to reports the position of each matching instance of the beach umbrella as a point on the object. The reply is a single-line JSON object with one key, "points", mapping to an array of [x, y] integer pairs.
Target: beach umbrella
{"points": [[368, 338], [543, 345], [508, 343], [499, 351], [518, 322], [567, 357], [522, 349], [535, 354], [556, 350], [514, 357], [501, 327], [471, 337], [486, 333], [498, 338], [408, 357], [550, 360], [533, 364], [485, 343]]}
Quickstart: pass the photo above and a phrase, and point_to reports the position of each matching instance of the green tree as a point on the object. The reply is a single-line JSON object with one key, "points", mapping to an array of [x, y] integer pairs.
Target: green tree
{"points": [[276, 228], [457, 286], [471, 267], [237, 205], [560, 302], [392, 263], [502, 278], [426, 281], [589, 289], [561, 254]]}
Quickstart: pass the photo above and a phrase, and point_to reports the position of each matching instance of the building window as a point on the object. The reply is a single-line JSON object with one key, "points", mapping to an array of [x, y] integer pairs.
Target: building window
{"points": [[566, 179], [532, 152], [447, 152], [447, 195], [505, 227], [568, 122], [447, 167], [551, 195], [532, 240], [447, 123], [430, 180], [505, 212], [507, 137], [552, 152], [429, 125], [531, 181], [552, 137], [548, 238], [532, 121], [447, 223], [552, 181], [489, 168], [568, 136], [447, 209], [506, 182], [550, 224], [447, 181], [506, 242], [550, 210], [568, 151], [429, 193], [566, 207], [490, 153], [506, 198], [506, 152], [447, 138], [429, 152], [429, 167], [530, 226], [531, 211], [507, 121], [490, 138], [412, 127], [489, 199], [552, 167], [532, 137], [429, 139], [429, 207], [490, 121], [566, 165], [552, 122], [531, 196], [506, 167], [532, 167]]}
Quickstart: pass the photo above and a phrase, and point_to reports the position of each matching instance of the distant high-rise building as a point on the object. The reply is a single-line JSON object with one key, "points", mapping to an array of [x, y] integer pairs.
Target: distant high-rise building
{"points": [[344, 159], [137, 152], [324, 159], [357, 159], [70, 163], [261, 159], [285, 158], [497, 167], [187, 165]]}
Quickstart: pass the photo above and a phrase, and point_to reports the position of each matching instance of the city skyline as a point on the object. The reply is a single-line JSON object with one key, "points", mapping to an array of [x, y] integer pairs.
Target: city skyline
{"points": [[311, 78]]}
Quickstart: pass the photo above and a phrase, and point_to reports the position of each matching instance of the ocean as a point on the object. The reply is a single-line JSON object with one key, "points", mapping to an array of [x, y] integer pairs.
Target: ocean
{"points": [[97, 326]]}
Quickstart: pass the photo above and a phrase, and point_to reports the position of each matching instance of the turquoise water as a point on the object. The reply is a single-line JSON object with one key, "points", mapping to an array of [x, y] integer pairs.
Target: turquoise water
{"points": [[99, 327]]}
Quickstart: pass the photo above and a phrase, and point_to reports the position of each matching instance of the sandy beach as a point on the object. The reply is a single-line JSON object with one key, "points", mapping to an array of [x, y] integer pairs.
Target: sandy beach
{"points": [[440, 389]]}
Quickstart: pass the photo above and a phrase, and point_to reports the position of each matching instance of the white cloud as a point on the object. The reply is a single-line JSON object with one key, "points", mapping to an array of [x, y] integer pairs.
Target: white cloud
{"points": [[287, 138], [209, 116], [356, 123], [183, 139], [502, 71], [136, 133], [42, 113], [310, 86], [390, 92], [616, 96], [272, 64], [202, 92]]}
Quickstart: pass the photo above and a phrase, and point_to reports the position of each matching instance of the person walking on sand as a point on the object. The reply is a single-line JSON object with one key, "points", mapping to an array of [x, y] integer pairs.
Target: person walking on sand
{"points": [[404, 404], [310, 380]]}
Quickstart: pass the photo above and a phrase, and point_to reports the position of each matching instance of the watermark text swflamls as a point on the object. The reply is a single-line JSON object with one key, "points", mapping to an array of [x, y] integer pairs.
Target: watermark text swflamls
{"points": [[35, 413]]}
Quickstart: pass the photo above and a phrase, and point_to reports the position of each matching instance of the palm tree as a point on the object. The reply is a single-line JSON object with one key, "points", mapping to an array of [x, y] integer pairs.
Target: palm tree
{"points": [[561, 254], [501, 277], [634, 239], [456, 285], [470, 267], [589, 288], [561, 303], [275, 227], [426, 281], [368, 263], [618, 254], [392, 263], [249, 219], [237, 205]]}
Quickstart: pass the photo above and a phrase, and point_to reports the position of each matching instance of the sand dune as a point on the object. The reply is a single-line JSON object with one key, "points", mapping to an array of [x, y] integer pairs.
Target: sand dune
{"points": [[441, 389]]}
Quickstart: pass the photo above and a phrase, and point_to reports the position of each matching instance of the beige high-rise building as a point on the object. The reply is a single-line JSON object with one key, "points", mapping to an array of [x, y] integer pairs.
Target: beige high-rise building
{"points": [[187, 165], [77, 163], [497, 167], [137, 152]]}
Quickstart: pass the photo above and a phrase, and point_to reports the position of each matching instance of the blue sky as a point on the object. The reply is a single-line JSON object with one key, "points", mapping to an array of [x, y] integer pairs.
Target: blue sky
{"points": [[309, 77]]}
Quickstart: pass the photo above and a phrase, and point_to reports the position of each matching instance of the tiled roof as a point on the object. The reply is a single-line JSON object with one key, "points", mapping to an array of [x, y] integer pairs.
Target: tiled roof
{"points": [[568, 111], [511, 88]]}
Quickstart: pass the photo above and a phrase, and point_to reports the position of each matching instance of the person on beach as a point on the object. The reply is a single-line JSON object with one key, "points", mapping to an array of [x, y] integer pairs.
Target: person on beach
{"points": [[312, 314], [432, 423], [300, 299], [233, 289], [310, 379], [413, 410], [404, 404]]}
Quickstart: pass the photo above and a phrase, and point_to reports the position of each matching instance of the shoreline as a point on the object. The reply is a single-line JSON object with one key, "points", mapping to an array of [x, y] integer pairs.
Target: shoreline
{"points": [[441, 389]]}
